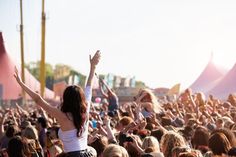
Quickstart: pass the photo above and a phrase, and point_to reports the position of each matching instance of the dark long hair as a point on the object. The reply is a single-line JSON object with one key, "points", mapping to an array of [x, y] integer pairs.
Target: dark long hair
{"points": [[16, 147], [74, 102]]}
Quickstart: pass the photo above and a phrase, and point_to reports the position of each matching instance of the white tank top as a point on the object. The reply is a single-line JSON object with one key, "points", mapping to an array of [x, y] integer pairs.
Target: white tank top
{"points": [[69, 138]]}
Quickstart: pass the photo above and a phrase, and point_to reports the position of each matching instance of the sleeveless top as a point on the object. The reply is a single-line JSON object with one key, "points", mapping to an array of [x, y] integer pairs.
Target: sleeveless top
{"points": [[113, 103], [69, 138]]}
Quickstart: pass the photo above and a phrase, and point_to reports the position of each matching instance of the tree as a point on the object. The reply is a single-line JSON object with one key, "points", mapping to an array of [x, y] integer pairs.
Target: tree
{"points": [[140, 84], [64, 72], [34, 69]]}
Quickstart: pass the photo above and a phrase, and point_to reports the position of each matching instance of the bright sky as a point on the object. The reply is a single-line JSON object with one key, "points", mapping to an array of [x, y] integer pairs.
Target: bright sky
{"points": [[161, 42]]}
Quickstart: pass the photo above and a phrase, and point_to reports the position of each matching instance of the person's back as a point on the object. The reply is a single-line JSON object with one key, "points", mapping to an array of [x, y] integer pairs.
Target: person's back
{"points": [[70, 138], [113, 103], [41, 126], [74, 112]]}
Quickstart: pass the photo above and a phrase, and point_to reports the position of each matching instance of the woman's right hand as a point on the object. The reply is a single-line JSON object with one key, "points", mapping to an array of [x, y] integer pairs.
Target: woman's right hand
{"points": [[95, 59]]}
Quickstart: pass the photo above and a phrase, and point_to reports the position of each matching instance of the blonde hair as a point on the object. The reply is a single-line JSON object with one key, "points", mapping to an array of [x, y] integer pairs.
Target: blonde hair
{"points": [[113, 150], [151, 141], [31, 133], [153, 99], [170, 140]]}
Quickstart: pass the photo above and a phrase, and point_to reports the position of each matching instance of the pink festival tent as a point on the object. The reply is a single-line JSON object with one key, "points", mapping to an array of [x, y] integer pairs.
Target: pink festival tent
{"points": [[9, 89], [226, 85], [210, 76]]}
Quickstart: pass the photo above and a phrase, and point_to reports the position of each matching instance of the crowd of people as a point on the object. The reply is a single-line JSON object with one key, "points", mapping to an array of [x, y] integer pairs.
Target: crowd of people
{"points": [[189, 126]]}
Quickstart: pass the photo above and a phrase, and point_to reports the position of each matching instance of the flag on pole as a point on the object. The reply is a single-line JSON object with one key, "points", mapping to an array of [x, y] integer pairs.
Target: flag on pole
{"points": [[175, 90]]}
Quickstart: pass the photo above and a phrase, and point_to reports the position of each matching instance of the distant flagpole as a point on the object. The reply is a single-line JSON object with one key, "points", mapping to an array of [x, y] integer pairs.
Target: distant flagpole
{"points": [[42, 63], [22, 47]]}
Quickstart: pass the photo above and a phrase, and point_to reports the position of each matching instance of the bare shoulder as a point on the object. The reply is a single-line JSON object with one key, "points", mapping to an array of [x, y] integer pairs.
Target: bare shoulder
{"points": [[66, 121]]}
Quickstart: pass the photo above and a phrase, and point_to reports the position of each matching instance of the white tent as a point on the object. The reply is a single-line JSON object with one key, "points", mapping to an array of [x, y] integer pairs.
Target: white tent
{"points": [[209, 77], [225, 86]]}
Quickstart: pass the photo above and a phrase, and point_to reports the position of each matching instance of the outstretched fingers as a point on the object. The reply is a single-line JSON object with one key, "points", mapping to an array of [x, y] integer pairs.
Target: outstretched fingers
{"points": [[16, 75], [97, 55], [95, 59]]}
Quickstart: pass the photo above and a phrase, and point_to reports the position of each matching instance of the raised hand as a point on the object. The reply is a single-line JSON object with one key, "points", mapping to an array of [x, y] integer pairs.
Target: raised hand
{"points": [[4, 117], [17, 76], [95, 59], [93, 63], [107, 121]]}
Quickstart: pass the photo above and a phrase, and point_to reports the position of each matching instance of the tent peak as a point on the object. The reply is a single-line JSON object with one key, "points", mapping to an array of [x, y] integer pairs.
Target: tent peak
{"points": [[2, 48]]}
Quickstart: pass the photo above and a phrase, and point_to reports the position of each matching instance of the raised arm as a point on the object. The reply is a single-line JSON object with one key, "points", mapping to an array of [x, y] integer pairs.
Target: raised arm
{"points": [[2, 121], [102, 91], [37, 98], [88, 89], [110, 134], [93, 63], [108, 88]]}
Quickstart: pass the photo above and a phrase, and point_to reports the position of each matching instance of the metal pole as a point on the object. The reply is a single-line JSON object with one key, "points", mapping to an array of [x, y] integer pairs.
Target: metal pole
{"points": [[22, 47], [42, 64]]}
